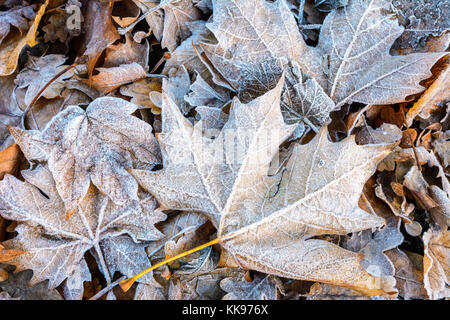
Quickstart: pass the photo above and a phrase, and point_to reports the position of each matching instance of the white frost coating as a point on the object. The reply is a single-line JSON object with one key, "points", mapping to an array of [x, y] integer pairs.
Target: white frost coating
{"points": [[55, 246]]}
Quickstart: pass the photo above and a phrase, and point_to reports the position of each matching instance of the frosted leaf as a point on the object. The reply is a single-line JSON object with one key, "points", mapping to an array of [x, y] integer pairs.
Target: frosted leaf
{"points": [[109, 79], [255, 40], [352, 62], [73, 287], [360, 66], [176, 15], [409, 279], [375, 261], [38, 72], [198, 175], [17, 17]]}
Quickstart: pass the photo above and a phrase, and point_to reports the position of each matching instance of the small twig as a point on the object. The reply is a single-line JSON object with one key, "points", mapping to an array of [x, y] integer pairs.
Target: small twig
{"points": [[106, 289]]}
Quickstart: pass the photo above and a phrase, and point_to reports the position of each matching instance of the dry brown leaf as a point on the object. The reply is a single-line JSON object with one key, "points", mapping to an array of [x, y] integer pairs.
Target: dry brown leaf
{"points": [[255, 212], [128, 52], [9, 160], [55, 246], [99, 31], [94, 145], [140, 90], [415, 182], [252, 50], [6, 255], [38, 72], [324, 291]]}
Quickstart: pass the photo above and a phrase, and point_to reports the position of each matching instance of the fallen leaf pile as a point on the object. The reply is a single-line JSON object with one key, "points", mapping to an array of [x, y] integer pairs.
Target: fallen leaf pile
{"points": [[297, 149]]}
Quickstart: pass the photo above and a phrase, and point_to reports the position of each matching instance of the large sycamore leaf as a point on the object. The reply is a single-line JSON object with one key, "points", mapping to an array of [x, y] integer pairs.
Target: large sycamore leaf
{"points": [[176, 15], [11, 46], [352, 61], [94, 145], [266, 222], [192, 178], [55, 247]]}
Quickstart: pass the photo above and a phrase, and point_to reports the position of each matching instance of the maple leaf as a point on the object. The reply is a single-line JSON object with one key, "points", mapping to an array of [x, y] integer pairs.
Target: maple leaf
{"points": [[55, 246], [38, 72], [265, 222], [93, 145], [261, 288], [351, 62], [176, 14], [12, 45]]}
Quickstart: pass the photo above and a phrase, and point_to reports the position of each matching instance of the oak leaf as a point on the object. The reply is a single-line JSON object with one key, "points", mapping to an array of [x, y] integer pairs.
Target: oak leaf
{"points": [[93, 145]]}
